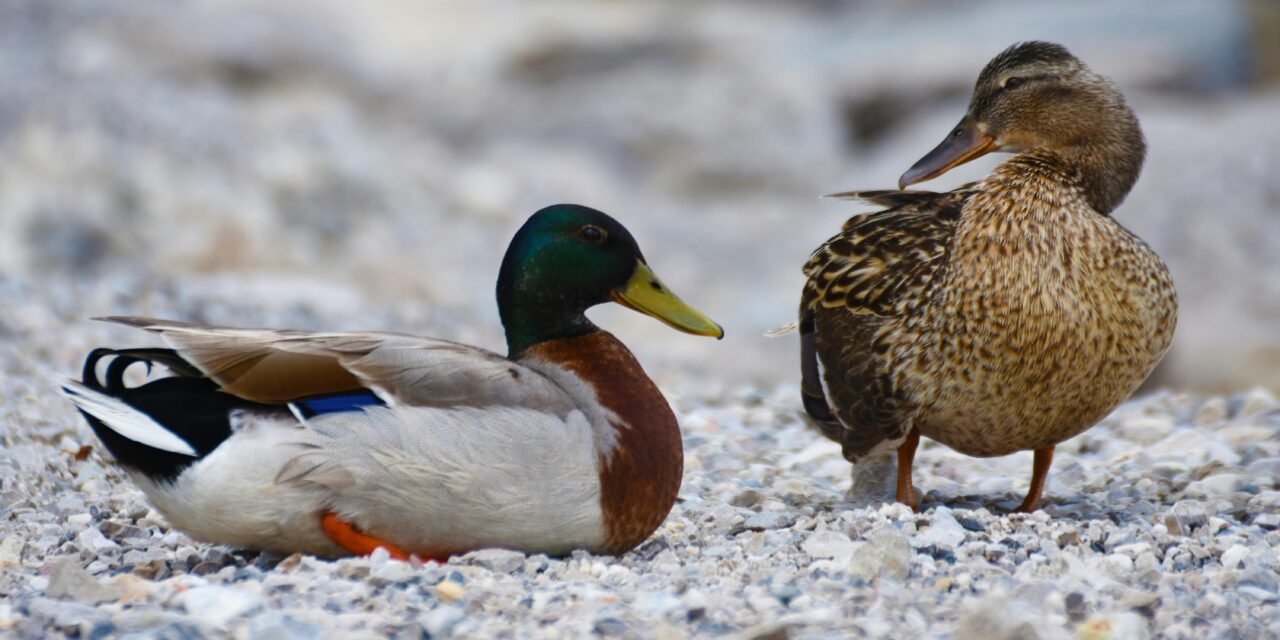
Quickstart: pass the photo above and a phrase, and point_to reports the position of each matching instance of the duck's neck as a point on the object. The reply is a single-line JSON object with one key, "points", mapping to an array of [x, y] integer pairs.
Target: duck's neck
{"points": [[642, 457], [531, 316], [1105, 167]]}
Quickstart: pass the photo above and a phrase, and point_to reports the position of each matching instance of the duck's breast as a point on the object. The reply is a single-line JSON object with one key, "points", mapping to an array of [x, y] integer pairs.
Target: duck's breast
{"points": [[1049, 318]]}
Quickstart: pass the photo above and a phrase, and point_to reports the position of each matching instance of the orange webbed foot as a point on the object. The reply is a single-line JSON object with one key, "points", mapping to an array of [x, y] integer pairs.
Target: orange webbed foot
{"points": [[343, 534]]}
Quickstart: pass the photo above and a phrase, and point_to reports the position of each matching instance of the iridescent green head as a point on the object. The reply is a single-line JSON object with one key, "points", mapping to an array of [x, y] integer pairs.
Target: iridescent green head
{"points": [[568, 258]]}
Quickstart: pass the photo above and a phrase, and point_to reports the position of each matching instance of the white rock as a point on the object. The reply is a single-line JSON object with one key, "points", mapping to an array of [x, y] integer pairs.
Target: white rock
{"points": [[503, 560], [886, 552], [93, 540], [218, 605], [1256, 401], [1117, 564], [1147, 429], [1114, 626], [1216, 485], [944, 531], [657, 603], [11, 552], [275, 625], [1133, 550], [69, 580], [1234, 557], [440, 621], [829, 544]]}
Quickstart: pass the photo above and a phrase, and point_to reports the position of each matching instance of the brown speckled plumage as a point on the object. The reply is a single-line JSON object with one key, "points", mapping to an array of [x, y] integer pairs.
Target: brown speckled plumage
{"points": [[1009, 314]]}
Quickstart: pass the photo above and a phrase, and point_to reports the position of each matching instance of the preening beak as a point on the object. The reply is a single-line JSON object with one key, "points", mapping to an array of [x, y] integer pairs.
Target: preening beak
{"points": [[963, 144], [646, 294]]}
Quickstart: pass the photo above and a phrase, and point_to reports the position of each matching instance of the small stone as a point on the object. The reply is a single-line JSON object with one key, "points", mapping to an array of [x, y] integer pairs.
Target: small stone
{"points": [[1118, 564], [1233, 557], [217, 605], [768, 520], [69, 580], [1256, 401], [1147, 429], [1257, 593], [829, 544], [747, 499], [1116, 626], [448, 591], [886, 552], [1265, 520], [1147, 564], [1133, 550], [440, 621], [768, 630], [1185, 516], [657, 603], [79, 519], [970, 524], [1211, 411], [67, 615], [276, 625], [497, 560], [1221, 484], [943, 532], [392, 571], [11, 552], [93, 540], [1076, 607]]}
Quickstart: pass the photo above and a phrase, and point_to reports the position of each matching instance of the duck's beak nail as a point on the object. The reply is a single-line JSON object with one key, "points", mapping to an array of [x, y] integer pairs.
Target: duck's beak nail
{"points": [[645, 293], [963, 144]]}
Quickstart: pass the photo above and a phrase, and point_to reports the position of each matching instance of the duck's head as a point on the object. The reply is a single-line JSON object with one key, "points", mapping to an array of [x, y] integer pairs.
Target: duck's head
{"points": [[1036, 96], [568, 258]]}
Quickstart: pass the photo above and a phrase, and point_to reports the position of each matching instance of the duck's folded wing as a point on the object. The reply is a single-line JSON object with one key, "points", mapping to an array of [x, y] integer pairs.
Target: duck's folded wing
{"points": [[855, 283], [274, 366]]}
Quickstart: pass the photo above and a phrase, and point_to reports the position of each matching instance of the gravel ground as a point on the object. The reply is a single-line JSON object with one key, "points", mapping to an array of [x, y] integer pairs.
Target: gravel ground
{"points": [[1162, 520], [322, 164]]}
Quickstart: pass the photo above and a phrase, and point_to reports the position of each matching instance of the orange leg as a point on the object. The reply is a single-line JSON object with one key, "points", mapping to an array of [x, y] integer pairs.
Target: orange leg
{"points": [[1039, 471], [344, 535], [906, 456]]}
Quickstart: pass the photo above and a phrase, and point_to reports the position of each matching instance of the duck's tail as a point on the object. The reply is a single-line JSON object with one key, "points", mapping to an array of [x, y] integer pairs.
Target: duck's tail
{"points": [[161, 427]]}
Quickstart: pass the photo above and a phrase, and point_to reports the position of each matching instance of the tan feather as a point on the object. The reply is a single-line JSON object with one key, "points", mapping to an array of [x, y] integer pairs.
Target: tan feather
{"points": [[280, 366]]}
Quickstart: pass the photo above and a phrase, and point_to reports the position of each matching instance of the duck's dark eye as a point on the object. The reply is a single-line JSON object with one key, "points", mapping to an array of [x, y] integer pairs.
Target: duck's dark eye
{"points": [[1013, 82], [593, 234]]}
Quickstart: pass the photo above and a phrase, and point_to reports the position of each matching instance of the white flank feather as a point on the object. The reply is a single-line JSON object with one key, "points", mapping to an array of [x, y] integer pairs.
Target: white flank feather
{"points": [[125, 420]]}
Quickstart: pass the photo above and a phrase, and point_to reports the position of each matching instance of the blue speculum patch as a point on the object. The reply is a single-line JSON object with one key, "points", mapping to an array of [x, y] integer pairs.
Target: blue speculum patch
{"points": [[337, 403]]}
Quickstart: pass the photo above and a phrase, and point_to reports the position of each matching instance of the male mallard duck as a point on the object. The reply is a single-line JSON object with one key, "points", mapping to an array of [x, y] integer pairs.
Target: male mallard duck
{"points": [[333, 443], [1006, 315]]}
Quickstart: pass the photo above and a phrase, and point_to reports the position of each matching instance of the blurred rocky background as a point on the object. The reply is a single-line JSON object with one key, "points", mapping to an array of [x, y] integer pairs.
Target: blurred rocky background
{"points": [[363, 165]]}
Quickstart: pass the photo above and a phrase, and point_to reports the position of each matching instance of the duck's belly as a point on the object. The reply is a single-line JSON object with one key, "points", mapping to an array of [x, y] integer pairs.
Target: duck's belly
{"points": [[1031, 369], [434, 485]]}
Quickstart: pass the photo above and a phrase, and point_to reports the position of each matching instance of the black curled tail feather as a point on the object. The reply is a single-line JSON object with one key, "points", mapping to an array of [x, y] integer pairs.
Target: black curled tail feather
{"points": [[815, 400], [187, 404]]}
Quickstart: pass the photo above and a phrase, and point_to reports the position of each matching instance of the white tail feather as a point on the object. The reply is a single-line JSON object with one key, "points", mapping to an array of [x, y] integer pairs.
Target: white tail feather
{"points": [[126, 420], [782, 330]]}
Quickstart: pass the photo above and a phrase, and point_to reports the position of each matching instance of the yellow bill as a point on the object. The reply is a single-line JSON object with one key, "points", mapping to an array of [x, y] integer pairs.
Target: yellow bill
{"points": [[645, 293]]}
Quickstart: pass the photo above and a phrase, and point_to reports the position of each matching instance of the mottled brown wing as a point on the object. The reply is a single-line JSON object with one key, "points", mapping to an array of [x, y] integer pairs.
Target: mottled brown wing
{"points": [[878, 269]]}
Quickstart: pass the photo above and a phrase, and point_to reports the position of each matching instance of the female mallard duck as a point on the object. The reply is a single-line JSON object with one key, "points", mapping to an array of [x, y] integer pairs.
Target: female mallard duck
{"points": [[1009, 314], [333, 443]]}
